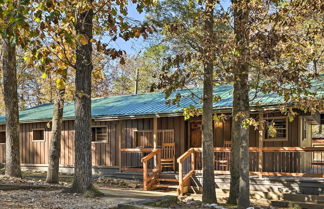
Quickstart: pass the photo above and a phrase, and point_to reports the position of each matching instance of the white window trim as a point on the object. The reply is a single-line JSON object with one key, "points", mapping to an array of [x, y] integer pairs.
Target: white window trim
{"points": [[105, 141], [277, 139], [5, 139], [38, 129]]}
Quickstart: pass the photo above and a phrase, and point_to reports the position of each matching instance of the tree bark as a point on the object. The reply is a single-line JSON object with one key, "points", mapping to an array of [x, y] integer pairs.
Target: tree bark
{"points": [[209, 194], [83, 167], [11, 109], [240, 188], [55, 144]]}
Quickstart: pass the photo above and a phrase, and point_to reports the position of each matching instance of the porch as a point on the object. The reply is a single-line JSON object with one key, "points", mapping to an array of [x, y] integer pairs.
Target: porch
{"points": [[265, 161], [292, 163]]}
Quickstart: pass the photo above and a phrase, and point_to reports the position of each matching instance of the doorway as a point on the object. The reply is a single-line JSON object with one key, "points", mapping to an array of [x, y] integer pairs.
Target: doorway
{"points": [[195, 134]]}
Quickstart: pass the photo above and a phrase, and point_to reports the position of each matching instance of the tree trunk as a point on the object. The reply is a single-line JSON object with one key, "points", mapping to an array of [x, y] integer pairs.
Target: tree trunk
{"points": [[240, 187], [11, 109], [83, 167], [55, 144], [209, 194], [320, 129]]}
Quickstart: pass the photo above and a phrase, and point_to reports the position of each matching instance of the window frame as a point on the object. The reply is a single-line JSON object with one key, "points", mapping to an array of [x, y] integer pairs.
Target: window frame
{"points": [[136, 131], [106, 140], [38, 129], [276, 139], [3, 131]]}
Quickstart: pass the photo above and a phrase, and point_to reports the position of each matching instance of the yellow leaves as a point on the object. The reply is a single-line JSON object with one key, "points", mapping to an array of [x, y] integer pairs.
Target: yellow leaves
{"points": [[272, 130], [44, 75], [60, 84], [83, 39], [48, 125], [191, 111], [62, 66]]}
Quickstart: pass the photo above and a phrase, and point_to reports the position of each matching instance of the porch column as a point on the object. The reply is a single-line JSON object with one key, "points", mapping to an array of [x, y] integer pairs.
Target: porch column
{"points": [[119, 134], [261, 139], [155, 133]]}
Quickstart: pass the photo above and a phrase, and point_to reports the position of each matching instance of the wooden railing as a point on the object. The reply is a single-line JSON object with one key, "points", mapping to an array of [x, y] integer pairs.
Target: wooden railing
{"points": [[267, 161], [150, 176], [131, 158], [186, 170]]}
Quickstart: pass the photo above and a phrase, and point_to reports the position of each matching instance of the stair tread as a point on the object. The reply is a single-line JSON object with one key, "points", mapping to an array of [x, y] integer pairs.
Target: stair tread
{"points": [[167, 179], [166, 186]]}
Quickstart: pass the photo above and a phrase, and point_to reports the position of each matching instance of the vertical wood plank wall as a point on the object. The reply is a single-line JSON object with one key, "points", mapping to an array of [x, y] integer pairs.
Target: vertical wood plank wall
{"points": [[104, 154]]}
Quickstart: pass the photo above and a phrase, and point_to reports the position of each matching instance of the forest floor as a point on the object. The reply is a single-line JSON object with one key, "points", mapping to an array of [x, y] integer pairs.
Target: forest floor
{"points": [[33, 192]]}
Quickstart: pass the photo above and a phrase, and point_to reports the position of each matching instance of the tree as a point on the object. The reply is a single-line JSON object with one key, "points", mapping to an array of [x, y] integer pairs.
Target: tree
{"points": [[82, 180], [55, 143], [209, 194], [193, 28], [11, 108], [266, 46], [71, 25], [13, 29], [240, 135]]}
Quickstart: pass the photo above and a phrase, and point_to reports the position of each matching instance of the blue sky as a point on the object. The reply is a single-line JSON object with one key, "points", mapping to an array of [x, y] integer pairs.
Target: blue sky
{"points": [[135, 46]]}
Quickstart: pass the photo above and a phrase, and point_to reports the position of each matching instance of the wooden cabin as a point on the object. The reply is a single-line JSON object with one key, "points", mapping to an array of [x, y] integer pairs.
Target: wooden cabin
{"points": [[143, 133]]}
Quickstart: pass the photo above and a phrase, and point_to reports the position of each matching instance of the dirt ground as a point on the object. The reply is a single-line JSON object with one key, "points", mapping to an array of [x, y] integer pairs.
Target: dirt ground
{"points": [[33, 192]]}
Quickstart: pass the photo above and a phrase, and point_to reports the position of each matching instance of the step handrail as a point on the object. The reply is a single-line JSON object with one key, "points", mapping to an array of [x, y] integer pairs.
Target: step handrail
{"points": [[184, 179], [150, 180]]}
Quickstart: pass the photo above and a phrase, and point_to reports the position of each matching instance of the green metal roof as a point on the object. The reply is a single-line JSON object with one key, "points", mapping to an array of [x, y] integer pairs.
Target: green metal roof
{"points": [[154, 103]]}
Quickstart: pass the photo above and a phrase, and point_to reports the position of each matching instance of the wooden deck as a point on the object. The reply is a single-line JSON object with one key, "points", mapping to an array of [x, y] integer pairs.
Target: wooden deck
{"points": [[266, 161]]}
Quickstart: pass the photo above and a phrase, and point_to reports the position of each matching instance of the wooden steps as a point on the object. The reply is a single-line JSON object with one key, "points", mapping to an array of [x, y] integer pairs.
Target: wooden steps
{"points": [[300, 201], [167, 181]]}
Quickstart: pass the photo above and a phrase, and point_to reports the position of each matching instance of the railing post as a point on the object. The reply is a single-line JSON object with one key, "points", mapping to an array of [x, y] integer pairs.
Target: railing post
{"points": [[155, 133], [159, 166], [145, 175], [120, 144], [261, 139], [180, 178], [193, 160]]}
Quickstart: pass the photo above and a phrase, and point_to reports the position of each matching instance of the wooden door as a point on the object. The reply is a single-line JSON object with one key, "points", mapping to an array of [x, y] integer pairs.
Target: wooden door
{"points": [[195, 134]]}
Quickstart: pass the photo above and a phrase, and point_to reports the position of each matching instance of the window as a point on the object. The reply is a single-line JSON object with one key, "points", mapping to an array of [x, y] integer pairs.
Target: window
{"points": [[38, 135], [276, 129], [99, 134], [2, 137], [144, 138]]}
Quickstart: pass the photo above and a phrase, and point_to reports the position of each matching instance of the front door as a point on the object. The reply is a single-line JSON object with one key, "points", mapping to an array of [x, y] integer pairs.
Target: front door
{"points": [[195, 134]]}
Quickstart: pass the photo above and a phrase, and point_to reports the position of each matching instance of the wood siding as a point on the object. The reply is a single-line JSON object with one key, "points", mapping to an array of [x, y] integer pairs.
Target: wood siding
{"points": [[104, 153], [107, 153]]}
